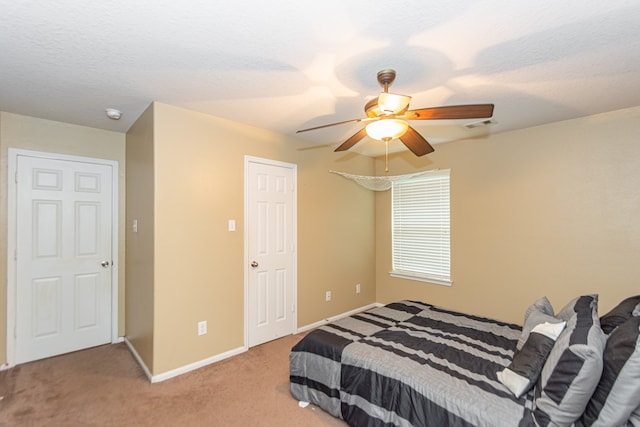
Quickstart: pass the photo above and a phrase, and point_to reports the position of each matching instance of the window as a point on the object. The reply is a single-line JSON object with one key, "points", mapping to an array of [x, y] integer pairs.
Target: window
{"points": [[420, 228]]}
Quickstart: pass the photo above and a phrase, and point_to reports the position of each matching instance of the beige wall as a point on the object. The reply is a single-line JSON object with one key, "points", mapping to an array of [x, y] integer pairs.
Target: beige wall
{"points": [[198, 266], [140, 245], [29, 133], [552, 210]]}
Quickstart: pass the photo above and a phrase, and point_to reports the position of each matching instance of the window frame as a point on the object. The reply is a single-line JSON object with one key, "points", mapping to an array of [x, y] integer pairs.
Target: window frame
{"points": [[437, 185]]}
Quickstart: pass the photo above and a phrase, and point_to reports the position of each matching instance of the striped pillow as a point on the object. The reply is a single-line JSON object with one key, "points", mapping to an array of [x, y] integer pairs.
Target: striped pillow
{"points": [[573, 368], [618, 392], [619, 314], [527, 363]]}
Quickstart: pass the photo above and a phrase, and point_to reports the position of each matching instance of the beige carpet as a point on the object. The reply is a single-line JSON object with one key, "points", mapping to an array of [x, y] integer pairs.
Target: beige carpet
{"points": [[104, 386]]}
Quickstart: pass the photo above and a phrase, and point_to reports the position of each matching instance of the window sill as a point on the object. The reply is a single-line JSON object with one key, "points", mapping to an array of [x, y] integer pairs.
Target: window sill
{"points": [[420, 278]]}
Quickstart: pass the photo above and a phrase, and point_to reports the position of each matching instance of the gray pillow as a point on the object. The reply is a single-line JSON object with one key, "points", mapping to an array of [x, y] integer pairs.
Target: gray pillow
{"points": [[573, 368], [527, 363], [582, 304], [634, 419], [618, 392], [537, 313], [542, 304], [619, 314]]}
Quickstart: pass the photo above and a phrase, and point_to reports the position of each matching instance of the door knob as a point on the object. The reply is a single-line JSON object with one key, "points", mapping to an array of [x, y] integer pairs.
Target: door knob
{"points": [[105, 264], [254, 264]]}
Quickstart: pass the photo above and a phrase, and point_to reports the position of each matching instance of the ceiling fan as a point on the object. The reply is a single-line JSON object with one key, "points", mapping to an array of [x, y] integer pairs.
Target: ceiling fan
{"points": [[388, 115]]}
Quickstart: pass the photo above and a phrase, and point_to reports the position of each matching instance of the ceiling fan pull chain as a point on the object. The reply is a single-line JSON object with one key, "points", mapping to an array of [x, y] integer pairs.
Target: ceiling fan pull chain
{"points": [[386, 155]]}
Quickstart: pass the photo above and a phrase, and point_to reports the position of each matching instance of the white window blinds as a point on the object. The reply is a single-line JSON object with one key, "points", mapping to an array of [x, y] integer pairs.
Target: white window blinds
{"points": [[420, 228]]}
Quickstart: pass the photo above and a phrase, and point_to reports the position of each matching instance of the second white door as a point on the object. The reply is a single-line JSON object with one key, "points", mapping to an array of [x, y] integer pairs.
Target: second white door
{"points": [[271, 247]]}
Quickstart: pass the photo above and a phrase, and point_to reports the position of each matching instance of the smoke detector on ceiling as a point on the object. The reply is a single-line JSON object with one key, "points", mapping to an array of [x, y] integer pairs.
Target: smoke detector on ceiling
{"points": [[113, 114]]}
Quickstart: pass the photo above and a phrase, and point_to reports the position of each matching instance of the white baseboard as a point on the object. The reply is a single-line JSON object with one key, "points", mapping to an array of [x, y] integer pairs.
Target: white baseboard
{"points": [[196, 365], [337, 317], [136, 356], [183, 369]]}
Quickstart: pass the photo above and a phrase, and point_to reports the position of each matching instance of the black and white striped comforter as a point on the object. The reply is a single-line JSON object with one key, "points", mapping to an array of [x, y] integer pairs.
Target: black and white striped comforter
{"points": [[410, 364]]}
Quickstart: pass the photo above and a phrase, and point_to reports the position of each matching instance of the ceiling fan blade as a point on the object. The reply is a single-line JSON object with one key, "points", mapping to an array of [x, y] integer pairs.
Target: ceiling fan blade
{"points": [[471, 111], [332, 124], [353, 140], [416, 143]]}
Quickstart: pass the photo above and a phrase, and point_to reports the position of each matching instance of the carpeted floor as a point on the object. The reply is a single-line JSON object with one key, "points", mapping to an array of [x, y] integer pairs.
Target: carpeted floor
{"points": [[104, 386]]}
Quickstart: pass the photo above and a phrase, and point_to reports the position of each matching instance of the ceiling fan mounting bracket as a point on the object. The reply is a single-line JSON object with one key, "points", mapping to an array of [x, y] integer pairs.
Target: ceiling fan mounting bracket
{"points": [[386, 77]]}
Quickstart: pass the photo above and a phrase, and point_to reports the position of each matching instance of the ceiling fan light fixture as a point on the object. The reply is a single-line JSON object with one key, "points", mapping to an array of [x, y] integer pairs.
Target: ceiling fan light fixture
{"points": [[387, 129], [391, 103]]}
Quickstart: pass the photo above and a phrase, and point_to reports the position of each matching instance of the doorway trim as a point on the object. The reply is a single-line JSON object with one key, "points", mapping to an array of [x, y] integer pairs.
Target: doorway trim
{"points": [[251, 159], [12, 205]]}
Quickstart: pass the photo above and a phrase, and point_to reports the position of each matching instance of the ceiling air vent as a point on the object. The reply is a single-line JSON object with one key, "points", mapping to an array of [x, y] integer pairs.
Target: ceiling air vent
{"points": [[486, 122]]}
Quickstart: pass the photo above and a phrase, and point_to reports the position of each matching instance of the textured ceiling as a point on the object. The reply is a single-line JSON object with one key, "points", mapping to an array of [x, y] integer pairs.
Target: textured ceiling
{"points": [[285, 65]]}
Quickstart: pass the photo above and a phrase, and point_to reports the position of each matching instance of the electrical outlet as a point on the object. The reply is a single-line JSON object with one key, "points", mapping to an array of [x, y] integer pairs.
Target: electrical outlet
{"points": [[202, 327], [357, 288], [327, 296]]}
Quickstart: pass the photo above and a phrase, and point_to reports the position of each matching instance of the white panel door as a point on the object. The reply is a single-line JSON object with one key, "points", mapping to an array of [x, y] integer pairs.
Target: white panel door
{"points": [[63, 256], [271, 251]]}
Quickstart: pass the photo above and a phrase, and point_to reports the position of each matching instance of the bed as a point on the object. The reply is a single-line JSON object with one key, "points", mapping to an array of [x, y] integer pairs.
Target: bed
{"points": [[398, 365], [410, 363]]}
